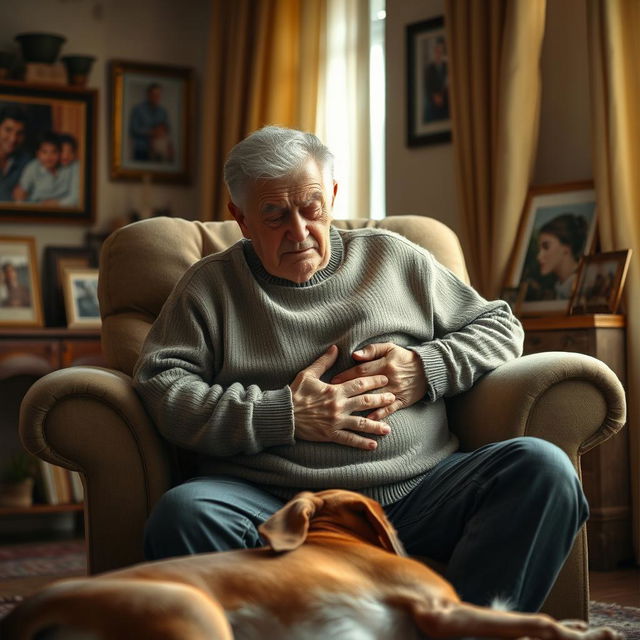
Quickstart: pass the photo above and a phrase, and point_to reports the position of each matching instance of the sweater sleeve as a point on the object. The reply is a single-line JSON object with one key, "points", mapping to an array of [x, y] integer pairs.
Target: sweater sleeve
{"points": [[471, 336], [175, 377]]}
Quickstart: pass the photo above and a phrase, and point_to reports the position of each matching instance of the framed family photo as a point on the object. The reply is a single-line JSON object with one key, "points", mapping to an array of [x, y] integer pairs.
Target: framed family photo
{"points": [[600, 282], [151, 121], [557, 228], [81, 298], [428, 116], [48, 151], [56, 261], [19, 286]]}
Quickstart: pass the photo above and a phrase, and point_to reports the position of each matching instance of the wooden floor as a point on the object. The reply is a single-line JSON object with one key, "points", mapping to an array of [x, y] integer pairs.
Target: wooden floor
{"points": [[621, 587]]}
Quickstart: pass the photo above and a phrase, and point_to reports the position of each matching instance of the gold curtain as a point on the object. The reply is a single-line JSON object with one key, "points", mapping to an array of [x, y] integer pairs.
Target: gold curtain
{"points": [[263, 61], [614, 55], [494, 52]]}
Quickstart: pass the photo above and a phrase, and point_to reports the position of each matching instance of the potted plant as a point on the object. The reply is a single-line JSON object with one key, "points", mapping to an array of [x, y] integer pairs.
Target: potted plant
{"points": [[16, 481]]}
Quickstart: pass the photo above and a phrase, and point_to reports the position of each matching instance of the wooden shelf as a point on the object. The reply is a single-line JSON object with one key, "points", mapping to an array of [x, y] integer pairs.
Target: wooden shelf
{"points": [[35, 509], [587, 321]]}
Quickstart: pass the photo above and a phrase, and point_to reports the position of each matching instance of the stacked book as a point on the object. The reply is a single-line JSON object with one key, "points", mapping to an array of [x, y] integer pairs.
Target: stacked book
{"points": [[60, 485]]}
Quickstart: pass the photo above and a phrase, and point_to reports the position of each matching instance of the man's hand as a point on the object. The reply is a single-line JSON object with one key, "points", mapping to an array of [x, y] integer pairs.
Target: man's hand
{"points": [[402, 368], [322, 412]]}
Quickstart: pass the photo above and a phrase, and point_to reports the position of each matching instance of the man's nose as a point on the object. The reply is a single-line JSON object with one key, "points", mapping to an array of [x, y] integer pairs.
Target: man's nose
{"points": [[297, 231]]}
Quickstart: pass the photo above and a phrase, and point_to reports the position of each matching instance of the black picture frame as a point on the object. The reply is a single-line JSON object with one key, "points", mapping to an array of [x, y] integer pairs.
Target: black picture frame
{"points": [[56, 260], [428, 109], [68, 115]]}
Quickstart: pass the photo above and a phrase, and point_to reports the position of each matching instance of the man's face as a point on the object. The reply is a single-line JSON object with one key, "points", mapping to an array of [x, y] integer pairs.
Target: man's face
{"points": [[48, 155], [11, 136], [67, 154], [288, 220], [154, 96]]}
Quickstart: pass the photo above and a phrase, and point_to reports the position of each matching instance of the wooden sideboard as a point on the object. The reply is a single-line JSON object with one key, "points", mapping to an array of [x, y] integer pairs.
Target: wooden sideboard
{"points": [[25, 356], [605, 469]]}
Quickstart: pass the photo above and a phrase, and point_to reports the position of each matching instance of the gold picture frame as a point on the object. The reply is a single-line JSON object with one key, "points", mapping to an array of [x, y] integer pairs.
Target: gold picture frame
{"points": [[600, 282], [151, 126], [20, 299]]}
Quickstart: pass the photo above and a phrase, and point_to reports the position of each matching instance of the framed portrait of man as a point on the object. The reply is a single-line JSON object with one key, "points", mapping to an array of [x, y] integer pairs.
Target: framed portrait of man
{"points": [[557, 228], [47, 153], [80, 288], [428, 115], [20, 304], [151, 126]]}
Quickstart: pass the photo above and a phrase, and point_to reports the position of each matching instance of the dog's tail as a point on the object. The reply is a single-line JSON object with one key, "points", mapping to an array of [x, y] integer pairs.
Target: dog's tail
{"points": [[117, 610]]}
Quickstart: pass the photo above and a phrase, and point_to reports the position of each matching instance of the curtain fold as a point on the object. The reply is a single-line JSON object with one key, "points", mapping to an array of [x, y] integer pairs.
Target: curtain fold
{"points": [[494, 49], [263, 64], [614, 52]]}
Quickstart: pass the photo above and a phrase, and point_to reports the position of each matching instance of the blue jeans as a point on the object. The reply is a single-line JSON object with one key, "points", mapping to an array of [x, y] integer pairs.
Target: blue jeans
{"points": [[503, 518]]}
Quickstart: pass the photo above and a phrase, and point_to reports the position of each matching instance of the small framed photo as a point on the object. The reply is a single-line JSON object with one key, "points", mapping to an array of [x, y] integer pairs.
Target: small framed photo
{"points": [[49, 151], [428, 116], [56, 261], [600, 282], [81, 298], [557, 228], [19, 285], [151, 121]]}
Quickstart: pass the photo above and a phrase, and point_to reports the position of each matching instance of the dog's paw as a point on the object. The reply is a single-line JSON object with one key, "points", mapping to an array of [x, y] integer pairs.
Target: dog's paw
{"points": [[577, 625], [604, 633]]}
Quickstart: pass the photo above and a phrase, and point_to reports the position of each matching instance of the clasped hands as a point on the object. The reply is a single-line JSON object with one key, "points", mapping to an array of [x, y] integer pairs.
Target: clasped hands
{"points": [[388, 378]]}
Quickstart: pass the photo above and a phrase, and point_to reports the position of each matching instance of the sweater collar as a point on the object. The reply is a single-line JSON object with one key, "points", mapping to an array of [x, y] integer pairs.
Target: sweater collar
{"points": [[335, 260]]}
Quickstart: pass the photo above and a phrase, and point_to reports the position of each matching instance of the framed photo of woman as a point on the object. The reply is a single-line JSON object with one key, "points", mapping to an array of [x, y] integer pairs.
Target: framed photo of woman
{"points": [[20, 304], [557, 228]]}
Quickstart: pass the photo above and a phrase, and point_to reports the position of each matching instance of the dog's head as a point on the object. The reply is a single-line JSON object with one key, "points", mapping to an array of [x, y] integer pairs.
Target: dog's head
{"points": [[287, 529]]}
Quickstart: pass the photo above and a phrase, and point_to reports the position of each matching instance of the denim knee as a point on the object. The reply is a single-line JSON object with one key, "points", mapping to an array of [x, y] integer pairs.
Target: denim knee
{"points": [[548, 472]]}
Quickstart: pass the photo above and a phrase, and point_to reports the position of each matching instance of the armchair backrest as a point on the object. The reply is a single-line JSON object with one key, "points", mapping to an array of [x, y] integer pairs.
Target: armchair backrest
{"points": [[142, 262]]}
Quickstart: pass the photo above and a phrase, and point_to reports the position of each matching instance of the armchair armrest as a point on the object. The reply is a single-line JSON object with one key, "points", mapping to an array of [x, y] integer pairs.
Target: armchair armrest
{"points": [[570, 399], [90, 420]]}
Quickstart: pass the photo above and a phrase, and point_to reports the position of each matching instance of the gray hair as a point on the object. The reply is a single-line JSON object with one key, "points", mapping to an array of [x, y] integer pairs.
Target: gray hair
{"points": [[272, 152]]}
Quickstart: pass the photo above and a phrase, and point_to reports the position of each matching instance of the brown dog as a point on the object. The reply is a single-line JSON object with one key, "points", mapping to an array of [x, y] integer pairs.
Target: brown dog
{"points": [[335, 569]]}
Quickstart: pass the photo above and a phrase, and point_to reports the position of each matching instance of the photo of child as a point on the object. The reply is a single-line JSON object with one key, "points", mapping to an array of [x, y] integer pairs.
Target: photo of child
{"points": [[47, 179]]}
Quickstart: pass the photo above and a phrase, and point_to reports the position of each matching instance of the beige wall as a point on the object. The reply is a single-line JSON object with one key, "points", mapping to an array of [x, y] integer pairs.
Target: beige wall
{"points": [[137, 30], [421, 180]]}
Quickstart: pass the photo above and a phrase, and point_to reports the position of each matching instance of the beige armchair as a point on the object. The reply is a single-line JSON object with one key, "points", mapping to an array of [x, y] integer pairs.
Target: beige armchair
{"points": [[90, 419]]}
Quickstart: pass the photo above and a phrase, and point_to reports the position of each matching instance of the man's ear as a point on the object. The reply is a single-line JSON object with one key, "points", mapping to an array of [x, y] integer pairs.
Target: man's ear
{"points": [[335, 192], [239, 217]]}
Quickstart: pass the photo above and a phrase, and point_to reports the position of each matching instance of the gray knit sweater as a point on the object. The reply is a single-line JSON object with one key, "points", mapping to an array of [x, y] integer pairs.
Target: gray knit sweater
{"points": [[215, 370]]}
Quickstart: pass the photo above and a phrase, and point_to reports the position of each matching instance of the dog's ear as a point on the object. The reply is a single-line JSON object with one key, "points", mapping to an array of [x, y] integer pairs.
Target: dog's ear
{"points": [[386, 534], [287, 528]]}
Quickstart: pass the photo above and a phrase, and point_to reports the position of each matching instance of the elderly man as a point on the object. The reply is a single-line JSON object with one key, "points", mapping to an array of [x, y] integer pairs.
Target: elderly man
{"points": [[305, 357]]}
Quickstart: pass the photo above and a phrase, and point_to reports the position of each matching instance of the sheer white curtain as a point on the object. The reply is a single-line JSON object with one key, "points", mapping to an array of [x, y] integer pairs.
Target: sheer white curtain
{"points": [[344, 118]]}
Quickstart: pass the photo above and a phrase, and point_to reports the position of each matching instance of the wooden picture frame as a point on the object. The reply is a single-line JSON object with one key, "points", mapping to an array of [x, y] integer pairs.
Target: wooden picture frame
{"points": [[82, 308], [514, 296], [52, 176], [600, 282], [151, 121], [557, 228], [56, 261], [20, 302], [428, 111]]}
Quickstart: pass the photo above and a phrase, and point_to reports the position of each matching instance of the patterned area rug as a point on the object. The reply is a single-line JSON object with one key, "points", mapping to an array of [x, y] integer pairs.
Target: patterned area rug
{"points": [[623, 619], [63, 559], [42, 559]]}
